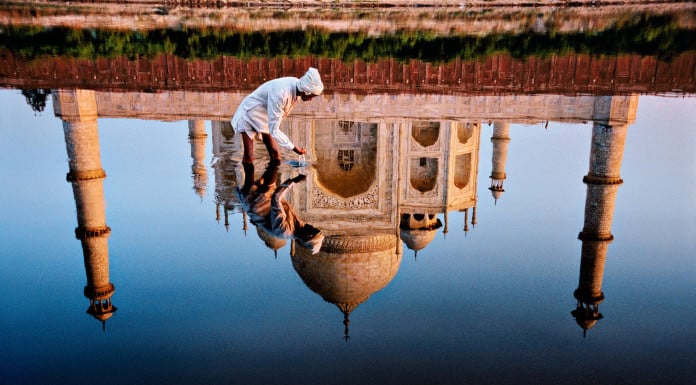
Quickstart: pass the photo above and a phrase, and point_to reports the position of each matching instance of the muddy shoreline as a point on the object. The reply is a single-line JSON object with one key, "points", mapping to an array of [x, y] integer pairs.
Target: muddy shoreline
{"points": [[381, 17]]}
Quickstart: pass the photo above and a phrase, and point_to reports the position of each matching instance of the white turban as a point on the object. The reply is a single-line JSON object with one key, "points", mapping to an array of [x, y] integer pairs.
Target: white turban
{"points": [[310, 82]]}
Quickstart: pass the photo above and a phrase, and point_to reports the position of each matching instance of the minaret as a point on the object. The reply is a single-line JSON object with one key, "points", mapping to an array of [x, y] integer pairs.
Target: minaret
{"points": [[473, 217], [78, 111], [602, 182], [197, 138], [500, 140], [226, 154], [466, 221]]}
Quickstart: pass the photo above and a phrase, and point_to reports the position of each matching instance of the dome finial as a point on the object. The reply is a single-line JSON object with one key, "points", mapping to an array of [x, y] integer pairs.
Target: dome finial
{"points": [[346, 323]]}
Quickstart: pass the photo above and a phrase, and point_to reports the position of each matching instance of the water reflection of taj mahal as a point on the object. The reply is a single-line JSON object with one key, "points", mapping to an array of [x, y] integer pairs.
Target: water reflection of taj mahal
{"points": [[383, 169]]}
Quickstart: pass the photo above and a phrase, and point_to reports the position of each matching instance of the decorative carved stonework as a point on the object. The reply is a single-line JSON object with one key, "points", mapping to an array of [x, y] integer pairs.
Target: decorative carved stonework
{"points": [[368, 200], [99, 293], [82, 232], [358, 244], [598, 179], [83, 175], [432, 195]]}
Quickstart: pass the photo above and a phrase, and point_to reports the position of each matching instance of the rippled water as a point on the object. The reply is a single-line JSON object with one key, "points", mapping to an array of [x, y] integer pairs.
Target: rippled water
{"points": [[469, 237]]}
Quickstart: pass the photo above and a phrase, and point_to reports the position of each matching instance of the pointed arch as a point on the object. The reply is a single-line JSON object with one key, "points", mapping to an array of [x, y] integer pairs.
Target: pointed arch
{"points": [[425, 133], [462, 170], [423, 173]]}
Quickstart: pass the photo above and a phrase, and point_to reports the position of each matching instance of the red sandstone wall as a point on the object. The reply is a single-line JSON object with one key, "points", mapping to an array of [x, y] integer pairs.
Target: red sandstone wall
{"points": [[570, 74]]}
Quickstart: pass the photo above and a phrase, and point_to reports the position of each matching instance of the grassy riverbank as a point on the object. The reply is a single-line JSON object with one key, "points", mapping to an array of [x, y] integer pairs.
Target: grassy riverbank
{"points": [[647, 35]]}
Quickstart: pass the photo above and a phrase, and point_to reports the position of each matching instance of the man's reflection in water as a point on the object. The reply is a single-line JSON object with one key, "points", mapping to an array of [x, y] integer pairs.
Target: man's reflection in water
{"points": [[268, 209]]}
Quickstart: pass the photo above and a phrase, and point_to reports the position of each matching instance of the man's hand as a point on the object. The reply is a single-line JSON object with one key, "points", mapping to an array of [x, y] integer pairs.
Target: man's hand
{"points": [[299, 150]]}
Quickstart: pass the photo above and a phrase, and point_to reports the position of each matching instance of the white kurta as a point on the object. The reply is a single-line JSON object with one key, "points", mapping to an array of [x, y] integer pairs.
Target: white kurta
{"points": [[271, 211], [263, 110]]}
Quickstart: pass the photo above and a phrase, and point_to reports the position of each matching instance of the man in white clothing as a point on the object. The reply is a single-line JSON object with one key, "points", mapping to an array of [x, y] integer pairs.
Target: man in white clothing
{"points": [[262, 112], [266, 204]]}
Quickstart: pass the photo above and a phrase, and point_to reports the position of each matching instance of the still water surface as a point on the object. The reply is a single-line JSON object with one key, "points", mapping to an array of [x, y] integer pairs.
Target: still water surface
{"points": [[199, 302], [425, 275]]}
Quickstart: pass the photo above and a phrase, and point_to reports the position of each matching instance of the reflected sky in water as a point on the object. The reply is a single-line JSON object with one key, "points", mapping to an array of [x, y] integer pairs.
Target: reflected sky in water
{"points": [[201, 303]]}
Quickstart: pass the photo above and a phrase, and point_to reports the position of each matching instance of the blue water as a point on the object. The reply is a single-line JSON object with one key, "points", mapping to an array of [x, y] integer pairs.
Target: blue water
{"points": [[199, 303]]}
